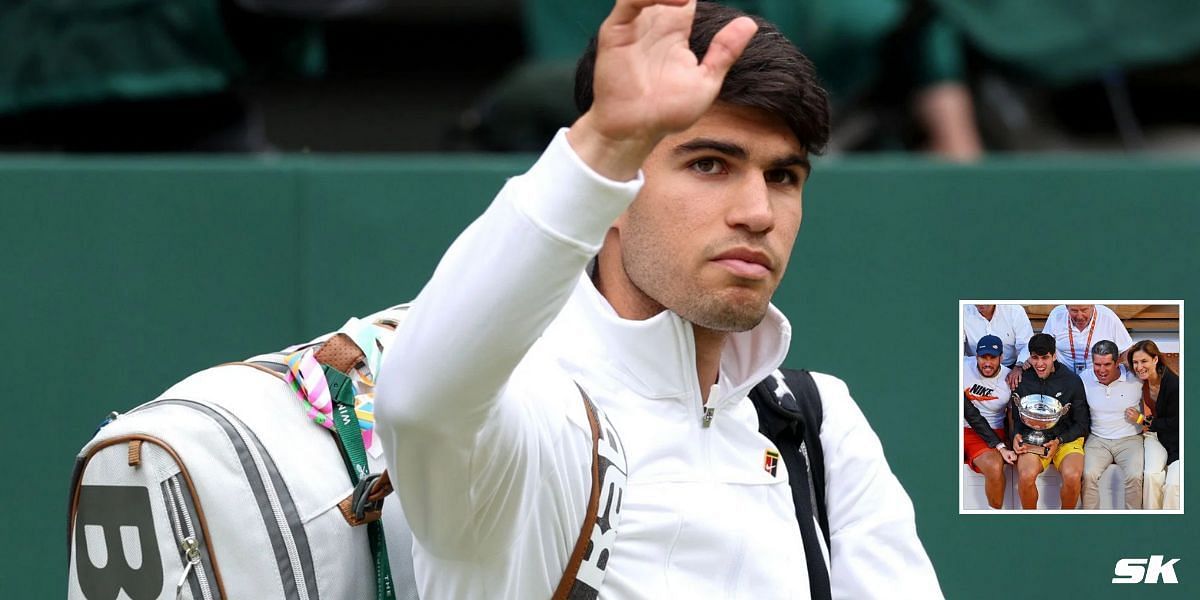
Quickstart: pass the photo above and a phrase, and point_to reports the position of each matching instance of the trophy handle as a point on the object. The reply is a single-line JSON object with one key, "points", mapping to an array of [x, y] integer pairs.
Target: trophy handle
{"points": [[1065, 409]]}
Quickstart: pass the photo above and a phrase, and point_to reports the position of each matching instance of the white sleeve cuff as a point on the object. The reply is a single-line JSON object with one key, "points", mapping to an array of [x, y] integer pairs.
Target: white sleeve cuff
{"points": [[562, 195]]}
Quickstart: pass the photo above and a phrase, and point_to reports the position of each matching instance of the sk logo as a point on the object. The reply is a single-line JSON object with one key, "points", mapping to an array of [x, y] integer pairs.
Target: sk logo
{"points": [[1141, 570], [771, 462]]}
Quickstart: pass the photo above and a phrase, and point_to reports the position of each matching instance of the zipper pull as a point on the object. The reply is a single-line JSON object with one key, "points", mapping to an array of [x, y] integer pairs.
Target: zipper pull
{"points": [[191, 548], [112, 416], [710, 410]]}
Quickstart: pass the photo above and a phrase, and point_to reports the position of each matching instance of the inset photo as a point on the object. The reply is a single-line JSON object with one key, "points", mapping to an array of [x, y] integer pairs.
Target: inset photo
{"points": [[1071, 404]]}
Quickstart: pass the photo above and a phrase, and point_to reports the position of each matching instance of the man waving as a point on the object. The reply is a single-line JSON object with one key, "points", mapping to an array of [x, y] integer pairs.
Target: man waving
{"points": [[634, 265]]}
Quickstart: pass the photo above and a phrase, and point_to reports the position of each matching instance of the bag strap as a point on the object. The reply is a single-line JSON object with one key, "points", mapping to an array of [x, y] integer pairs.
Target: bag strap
{"points": [[790, 415], [567, 585], [584, 574]]}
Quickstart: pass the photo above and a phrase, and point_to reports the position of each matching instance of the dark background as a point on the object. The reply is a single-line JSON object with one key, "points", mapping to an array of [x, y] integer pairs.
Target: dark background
{"points": [[397, 81]]}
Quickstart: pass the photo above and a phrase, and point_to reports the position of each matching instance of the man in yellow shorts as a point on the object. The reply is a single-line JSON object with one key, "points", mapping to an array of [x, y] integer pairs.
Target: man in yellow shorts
{"points": [[1064, 441]]}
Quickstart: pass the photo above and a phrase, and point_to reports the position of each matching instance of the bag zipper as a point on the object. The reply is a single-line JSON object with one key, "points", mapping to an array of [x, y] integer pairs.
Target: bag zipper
{"points": [[185, 534]]}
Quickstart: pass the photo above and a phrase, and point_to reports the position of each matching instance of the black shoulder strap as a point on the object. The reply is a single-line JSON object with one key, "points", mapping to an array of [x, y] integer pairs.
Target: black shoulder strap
{"points": [[790, 415]]}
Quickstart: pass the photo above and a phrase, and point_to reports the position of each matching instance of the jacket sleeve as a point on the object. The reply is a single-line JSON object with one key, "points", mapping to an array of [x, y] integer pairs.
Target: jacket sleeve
{"points": [[978, 423], [463, 452], [1013, 419], [874, 549]]}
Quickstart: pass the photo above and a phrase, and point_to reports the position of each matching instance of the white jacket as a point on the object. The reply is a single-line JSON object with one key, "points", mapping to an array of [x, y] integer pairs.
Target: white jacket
{"points": [[490, 451]]}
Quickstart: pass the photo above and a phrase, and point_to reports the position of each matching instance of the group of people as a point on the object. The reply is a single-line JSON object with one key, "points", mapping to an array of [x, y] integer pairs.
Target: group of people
{"points": [[1119, 405]]}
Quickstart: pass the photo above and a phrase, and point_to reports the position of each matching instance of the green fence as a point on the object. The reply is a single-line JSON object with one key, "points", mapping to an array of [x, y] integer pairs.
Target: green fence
{"points": [[123, 276]]}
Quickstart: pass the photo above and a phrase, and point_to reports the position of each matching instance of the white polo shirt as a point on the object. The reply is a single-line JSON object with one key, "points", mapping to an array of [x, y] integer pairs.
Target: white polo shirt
{"points": [[1068, 338], [1009, 323], [1108, 403]]}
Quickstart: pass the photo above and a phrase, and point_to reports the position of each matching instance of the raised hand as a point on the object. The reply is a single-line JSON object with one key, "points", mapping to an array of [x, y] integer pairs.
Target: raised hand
{"points": [[648, 83], [1014, 378]]}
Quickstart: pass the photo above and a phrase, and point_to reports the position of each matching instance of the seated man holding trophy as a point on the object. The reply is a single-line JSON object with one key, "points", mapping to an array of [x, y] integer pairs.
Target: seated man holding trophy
{"points": [[1049, 419]]}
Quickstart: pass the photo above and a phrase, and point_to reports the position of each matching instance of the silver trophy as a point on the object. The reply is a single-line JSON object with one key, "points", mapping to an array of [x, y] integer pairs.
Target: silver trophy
{"points": [[1040, 413]]}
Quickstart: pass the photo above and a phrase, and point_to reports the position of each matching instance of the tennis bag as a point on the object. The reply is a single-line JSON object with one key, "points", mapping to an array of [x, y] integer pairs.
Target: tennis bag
{"points": [[229, 485], [263, 479]]}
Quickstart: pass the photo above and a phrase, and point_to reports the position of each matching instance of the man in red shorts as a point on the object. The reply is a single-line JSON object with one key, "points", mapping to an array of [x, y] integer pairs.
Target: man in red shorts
{"points": [[985, 397]]}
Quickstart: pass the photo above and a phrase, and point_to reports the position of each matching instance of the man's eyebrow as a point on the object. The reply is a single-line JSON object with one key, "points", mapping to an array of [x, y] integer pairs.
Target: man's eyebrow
{"points": [[736, 151], [792, 161], [698, 144]]}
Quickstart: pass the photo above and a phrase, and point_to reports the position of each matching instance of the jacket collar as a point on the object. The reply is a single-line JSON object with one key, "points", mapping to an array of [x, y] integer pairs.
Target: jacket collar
{"points": [[656, 357]]}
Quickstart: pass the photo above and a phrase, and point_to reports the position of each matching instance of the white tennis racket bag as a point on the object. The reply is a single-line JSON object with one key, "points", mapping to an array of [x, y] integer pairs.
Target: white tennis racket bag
{"points": [[223, 488]]}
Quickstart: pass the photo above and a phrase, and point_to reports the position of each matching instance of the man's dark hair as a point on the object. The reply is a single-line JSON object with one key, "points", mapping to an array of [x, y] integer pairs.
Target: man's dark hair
{"points": [[771, 75], [1042, 344], [1105, 348]]}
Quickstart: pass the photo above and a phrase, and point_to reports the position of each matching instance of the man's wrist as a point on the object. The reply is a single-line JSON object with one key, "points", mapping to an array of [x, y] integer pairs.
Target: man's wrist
{"points": [[1001, 446], [616, 159]]}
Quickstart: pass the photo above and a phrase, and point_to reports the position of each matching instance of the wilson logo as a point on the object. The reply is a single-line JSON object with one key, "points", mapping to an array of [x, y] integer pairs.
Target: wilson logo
{"points": [[1142, 570]]}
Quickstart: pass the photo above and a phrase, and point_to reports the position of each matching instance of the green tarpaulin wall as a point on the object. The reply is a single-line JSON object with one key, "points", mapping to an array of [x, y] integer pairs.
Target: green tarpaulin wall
{"points": [[123, 276]]}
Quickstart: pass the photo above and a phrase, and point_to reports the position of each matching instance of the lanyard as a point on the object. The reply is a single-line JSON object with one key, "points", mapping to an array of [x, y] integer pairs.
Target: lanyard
{"points": [[1086, 347], [330, 400], [345, 423]]}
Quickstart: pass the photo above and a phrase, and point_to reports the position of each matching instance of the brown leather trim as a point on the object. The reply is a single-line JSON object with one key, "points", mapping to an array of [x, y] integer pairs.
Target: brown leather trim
{"points": [[370, 516], [381, 488], [135, 453], [589, 520], [212, 557], [340, 352]]}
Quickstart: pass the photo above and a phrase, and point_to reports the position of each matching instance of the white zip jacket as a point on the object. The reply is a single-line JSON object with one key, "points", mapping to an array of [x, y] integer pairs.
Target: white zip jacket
{"points": [[488, 443]]}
